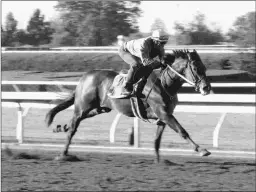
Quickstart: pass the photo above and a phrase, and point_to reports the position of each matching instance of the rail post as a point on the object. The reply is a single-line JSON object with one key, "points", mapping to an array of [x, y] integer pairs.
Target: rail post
{"points": [[113, 128], [136, 132], [19, 128], [22, 112], [217, 130]]}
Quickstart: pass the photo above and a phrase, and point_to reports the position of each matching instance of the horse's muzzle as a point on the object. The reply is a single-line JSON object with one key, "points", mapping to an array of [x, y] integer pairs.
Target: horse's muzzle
{"points": [[205, 90]]}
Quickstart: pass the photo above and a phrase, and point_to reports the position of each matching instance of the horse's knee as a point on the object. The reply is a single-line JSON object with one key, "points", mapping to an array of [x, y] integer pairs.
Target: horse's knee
{"points": [[184, 134], [157, 144]]}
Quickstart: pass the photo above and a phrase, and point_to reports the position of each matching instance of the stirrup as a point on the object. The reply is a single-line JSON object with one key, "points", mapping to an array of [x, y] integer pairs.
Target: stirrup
{"points": [[139, 94]]}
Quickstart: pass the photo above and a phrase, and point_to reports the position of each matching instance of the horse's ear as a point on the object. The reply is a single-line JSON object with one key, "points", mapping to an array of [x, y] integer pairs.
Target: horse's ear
{"points": [[189, 56]]}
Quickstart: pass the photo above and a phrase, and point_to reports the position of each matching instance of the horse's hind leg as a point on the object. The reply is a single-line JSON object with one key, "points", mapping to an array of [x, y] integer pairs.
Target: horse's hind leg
{"points": [[74, 123], [175, 125]]}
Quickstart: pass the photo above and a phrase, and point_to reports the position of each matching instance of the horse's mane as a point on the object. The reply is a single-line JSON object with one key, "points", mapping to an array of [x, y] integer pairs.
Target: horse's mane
{"points": [[184, 54], [181, 53], [170, 57]]}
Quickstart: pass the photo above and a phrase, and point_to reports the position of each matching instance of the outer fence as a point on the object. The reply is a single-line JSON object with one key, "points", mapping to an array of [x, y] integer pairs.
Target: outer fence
{"points": [[214, 103], [113, 49]]}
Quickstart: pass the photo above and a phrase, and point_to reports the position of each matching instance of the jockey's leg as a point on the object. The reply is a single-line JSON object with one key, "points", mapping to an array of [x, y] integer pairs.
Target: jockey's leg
{"points": [[134, 63], [144, 72], [130, 79]]}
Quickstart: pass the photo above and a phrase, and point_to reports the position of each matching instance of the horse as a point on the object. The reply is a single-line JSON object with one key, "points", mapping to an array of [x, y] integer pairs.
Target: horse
{"points": [[91, 98]]}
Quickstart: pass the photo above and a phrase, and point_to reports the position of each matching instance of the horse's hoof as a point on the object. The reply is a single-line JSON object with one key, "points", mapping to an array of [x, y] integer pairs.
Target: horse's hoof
{"points": [[156, 161], [57, 129], [66, 158], [204, 153]]}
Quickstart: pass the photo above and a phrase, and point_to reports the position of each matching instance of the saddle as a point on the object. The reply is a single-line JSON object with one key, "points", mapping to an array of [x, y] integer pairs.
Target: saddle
{"points": [[116, 87], [139, 104]]}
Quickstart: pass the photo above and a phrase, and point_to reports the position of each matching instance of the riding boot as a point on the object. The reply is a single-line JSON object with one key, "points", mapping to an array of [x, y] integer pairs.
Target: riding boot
{"points": [[147, 70], [128, 85], [140, 87]]}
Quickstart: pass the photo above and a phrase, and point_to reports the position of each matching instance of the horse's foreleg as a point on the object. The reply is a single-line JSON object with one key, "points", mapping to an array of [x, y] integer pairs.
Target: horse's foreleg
{"points": [[159, 132], [175, 125]]}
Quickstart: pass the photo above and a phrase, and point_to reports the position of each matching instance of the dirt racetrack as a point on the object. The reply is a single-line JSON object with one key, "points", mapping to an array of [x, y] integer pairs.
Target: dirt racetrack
{"points": [[37, 171]]}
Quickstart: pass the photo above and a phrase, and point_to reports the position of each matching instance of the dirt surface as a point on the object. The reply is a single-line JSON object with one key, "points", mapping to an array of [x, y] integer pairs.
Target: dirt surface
{"points": [[37, 171]]}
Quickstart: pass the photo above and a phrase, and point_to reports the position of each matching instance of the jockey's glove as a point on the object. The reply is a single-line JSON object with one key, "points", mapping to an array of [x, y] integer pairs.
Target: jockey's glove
{"points": [[154, 64]]}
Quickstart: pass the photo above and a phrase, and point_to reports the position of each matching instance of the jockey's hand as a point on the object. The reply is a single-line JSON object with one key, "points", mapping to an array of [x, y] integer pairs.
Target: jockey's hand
{"points": [[155, 64], [163, 64]]}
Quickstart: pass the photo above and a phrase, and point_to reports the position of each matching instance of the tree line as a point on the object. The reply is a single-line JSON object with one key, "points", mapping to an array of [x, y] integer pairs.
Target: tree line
{"points": [[98, 23]]}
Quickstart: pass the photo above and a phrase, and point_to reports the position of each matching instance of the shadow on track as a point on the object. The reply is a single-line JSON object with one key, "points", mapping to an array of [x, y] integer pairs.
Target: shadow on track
{"points": [[223, 163], [16, 155]]}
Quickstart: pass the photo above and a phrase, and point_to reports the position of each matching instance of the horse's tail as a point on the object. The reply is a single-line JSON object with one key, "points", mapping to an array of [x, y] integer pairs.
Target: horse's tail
{"points": [[60, 107]]}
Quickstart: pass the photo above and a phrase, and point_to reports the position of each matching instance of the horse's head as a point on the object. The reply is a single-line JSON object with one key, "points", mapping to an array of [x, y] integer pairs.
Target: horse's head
{"points": [[189, 65]]}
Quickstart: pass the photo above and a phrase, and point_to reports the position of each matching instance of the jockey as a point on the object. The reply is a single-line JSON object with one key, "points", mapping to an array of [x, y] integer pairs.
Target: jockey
{"points": [[140, 54]]}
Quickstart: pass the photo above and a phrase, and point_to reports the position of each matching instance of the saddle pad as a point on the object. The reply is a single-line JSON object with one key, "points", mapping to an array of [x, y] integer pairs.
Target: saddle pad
{"points": [[115, 89]]}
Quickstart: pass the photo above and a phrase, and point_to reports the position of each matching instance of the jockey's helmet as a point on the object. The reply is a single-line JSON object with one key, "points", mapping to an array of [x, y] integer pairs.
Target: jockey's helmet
{"points": [[160, 35]]}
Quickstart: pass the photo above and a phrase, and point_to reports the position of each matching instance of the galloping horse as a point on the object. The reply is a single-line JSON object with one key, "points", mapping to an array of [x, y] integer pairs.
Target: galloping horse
{"points": [[91, 96]]}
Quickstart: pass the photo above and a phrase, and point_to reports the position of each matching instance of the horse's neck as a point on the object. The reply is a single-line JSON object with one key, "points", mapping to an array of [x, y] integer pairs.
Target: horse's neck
{"points": [[171, 83]]}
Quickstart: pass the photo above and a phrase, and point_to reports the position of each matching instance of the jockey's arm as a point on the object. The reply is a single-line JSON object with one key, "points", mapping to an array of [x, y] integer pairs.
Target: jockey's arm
{"points": [[161, 55], [145, 57]]}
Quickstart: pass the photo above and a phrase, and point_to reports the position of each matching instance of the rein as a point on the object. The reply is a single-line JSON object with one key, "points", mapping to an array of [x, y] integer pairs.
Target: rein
{"points": [[153, 85], [181, 76]]}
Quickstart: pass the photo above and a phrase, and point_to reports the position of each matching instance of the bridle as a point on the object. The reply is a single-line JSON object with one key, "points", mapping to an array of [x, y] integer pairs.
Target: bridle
{"points": [[195, 78]]}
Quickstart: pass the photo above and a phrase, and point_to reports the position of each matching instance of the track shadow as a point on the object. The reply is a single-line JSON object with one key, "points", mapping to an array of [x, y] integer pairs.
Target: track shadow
{"points": [[169, 163], [34, 72], [152, 162], [223, 163], [17, 155], [66, 76]]}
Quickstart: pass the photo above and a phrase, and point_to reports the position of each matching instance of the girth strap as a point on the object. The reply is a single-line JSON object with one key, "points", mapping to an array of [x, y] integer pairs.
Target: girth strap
{"points": [[139, 110]]}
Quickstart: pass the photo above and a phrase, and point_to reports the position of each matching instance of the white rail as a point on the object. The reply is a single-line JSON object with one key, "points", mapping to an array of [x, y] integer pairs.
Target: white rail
{"points": [[226, 103], [220, 98], [115, 51], [76, 83]]}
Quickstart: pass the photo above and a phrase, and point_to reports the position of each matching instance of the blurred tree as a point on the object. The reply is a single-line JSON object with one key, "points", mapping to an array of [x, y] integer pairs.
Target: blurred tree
{"points": [[197, 32], [61, 36], [3, 37], [8, 35], [21, 37], [39, 31], [158, 24], [95, 23], [243, 30], [137, 35]]}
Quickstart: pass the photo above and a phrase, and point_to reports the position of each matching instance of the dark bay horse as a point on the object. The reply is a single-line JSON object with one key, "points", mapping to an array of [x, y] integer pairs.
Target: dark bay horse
{"points": [[91, 96]]}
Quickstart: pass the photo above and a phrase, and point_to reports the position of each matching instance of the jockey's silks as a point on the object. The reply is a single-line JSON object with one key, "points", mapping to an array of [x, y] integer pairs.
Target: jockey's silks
{"points": [[145, 49]]}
